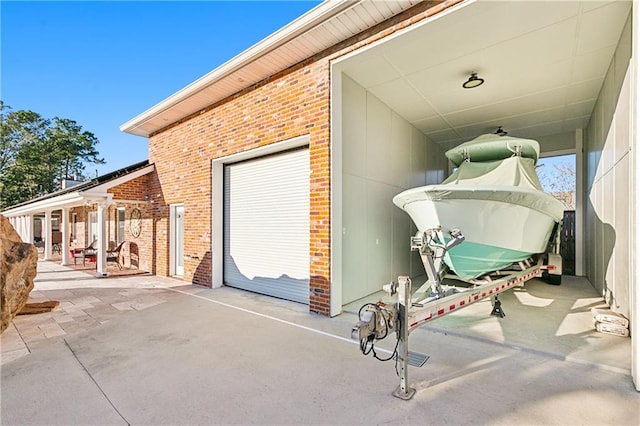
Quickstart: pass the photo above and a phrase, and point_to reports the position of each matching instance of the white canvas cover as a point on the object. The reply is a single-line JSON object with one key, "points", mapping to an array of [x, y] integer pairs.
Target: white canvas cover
{"points": [[514, 171], [512, 180], [493, 147]]}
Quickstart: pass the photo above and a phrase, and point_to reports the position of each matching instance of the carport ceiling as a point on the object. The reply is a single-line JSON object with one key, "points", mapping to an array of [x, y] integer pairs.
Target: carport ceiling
{"points": [[543, 63]]}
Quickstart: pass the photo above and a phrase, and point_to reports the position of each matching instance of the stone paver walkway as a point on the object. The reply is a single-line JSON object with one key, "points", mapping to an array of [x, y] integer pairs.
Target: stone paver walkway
{"points": [[86, 302]]}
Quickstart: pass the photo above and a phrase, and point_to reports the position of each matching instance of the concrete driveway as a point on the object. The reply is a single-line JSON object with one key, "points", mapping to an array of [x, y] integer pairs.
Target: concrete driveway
{"points": [[229, 357]]}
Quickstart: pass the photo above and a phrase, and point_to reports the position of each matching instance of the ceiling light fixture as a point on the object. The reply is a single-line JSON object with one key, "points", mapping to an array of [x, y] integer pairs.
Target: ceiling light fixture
{"points": [[474, 81], [500, 132]]}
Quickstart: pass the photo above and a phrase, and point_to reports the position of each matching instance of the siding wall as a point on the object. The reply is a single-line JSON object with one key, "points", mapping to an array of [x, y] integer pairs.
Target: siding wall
{"points": [[607, 154], [382, 156]]}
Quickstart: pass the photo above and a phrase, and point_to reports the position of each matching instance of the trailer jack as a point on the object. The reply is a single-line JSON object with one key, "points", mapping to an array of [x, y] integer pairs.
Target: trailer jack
{"points": [[497, 307]]}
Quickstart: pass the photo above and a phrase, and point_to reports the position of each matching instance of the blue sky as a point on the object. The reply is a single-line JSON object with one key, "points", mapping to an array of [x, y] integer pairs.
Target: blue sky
{"points": [[552, 175], [102, 63]]}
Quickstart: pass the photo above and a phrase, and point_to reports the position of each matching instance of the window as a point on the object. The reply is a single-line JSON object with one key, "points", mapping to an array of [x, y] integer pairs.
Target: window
{"points": [[55, 223], [93, 227], [120, 225], [74, 227]]}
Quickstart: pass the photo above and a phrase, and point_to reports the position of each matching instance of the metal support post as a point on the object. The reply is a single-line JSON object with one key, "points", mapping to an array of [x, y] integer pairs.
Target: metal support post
{"points": [[404, 303], [432, 248]]}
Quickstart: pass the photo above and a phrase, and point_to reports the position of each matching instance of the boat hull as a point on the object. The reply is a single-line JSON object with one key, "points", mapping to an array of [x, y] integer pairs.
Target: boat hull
{"points": [[501, 225]]}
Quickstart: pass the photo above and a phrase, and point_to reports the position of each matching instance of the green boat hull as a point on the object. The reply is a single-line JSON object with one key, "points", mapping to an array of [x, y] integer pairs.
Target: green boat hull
{"points": [[470, 260]]}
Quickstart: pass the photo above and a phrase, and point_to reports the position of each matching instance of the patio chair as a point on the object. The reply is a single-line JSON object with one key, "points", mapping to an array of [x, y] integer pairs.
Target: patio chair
{"points": [[114, 255], [87, 253], [56, 242]]}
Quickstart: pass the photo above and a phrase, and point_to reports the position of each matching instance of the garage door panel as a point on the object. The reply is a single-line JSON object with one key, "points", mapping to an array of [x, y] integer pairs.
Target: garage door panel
{"points": [[266, 242]]}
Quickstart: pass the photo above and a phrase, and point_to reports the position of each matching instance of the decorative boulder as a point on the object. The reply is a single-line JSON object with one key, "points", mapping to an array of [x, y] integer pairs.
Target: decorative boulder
{"points": [[18, 263]]}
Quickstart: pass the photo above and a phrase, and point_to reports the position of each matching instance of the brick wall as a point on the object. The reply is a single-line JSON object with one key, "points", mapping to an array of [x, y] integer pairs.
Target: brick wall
{"points": [[79, 239], [292, 103], [137, 251], [136, 189]]}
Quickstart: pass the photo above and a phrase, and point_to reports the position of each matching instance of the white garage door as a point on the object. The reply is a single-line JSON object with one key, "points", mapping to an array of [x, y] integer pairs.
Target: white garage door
{"points": [[266, 225]]}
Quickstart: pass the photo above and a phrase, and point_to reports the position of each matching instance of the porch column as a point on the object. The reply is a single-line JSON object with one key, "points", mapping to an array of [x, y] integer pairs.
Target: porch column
{"points": [[46, 234], [101, 260], [64, 227], [12, 221], [23, 229], [29, 219], [17, 226]]}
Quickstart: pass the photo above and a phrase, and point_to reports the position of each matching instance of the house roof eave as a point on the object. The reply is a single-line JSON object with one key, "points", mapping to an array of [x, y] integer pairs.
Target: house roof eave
{"points": [[123, 179], [324, 26], [90, 192], [304, 23], [72, 199]]}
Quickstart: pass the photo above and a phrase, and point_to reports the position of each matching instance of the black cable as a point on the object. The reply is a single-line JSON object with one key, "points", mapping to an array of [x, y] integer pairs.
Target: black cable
{"points": [[394, 354], [367, 345]]}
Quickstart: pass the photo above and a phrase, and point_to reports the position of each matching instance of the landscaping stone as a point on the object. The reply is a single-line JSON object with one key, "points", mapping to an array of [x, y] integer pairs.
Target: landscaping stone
{"points": [[18, 262]]}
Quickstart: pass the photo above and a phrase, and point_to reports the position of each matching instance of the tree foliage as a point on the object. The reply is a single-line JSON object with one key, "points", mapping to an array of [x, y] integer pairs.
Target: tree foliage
{"points": [[37, 154], [560, 181]]}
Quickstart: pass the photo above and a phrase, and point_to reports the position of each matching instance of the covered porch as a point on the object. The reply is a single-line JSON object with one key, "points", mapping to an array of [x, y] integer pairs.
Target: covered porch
{"points": [[89, 267], [95, 224]]}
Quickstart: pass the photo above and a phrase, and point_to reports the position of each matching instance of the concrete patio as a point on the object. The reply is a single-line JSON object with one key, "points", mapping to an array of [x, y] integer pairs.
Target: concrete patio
{"points": [[85, 303], [152, 350]]}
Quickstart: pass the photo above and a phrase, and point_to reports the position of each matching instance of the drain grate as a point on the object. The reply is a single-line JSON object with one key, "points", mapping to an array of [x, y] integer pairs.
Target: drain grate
{"points": [[417, 359]]}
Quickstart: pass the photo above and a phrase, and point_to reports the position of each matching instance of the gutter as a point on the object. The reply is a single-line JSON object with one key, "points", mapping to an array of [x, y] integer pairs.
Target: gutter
{"points": [[71, 199]]}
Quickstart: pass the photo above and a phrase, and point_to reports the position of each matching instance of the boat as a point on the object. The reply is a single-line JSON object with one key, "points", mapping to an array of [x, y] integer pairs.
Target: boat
{"points": [[494, 198]]}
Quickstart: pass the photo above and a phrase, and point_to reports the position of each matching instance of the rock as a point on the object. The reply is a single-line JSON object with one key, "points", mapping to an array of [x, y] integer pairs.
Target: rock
{"points": [[18, 263]]}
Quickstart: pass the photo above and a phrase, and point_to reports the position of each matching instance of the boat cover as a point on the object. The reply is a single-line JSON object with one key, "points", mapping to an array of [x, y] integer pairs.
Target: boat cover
{"points": [[514, 171], [493, 147], [495, 198], [512, 180]]}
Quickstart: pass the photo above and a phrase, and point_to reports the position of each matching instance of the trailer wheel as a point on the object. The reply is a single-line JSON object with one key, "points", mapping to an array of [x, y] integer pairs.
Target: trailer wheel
{"points": [[554, 279]]}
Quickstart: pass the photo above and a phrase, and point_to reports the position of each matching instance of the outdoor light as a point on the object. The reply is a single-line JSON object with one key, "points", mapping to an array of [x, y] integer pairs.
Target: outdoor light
{"points": [[474, 81], [500, 132]]}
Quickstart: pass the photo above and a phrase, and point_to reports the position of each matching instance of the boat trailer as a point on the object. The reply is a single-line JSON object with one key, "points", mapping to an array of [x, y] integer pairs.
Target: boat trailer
{"points": [[433, 300]]}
